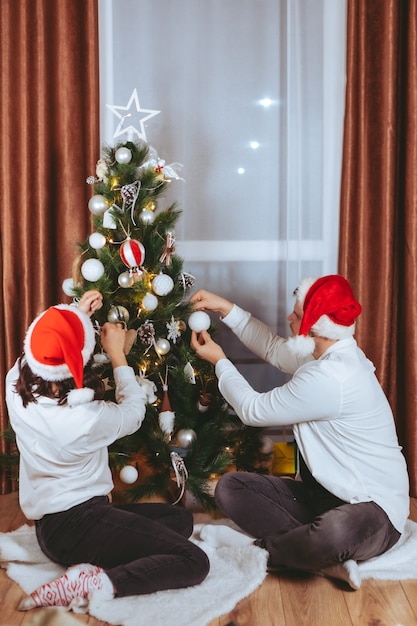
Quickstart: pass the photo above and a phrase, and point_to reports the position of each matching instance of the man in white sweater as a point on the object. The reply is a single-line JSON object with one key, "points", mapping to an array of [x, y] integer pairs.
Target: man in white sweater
{"points": [[351, 502]]}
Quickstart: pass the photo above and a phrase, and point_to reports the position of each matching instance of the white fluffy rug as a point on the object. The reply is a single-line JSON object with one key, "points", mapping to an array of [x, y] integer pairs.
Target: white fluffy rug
{"points": [[399, 563], [234, 574]]}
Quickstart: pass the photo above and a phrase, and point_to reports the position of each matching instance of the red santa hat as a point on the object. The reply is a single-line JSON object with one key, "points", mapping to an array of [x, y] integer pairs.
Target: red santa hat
{"points": [[57, 346], [329, 309]]}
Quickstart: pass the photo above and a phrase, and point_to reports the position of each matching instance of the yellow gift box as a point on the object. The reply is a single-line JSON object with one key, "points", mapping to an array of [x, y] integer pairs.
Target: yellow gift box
{"points": [[284, 458]]}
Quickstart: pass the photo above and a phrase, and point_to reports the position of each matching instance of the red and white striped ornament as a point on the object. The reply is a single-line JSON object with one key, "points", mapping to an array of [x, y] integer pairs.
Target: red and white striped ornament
{"points": [[132, 253]]}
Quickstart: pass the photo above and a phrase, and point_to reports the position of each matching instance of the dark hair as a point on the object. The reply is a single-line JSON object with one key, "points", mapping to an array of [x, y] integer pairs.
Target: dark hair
{"points": [[29, 386]]}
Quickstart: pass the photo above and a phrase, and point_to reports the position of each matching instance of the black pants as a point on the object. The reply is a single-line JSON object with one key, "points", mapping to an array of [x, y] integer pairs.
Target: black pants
{"points": [[143, 547]]}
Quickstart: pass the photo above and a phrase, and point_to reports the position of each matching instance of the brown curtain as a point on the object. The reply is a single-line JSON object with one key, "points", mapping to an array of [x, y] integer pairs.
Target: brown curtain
{"points": [[378, 240], [49, 138]]}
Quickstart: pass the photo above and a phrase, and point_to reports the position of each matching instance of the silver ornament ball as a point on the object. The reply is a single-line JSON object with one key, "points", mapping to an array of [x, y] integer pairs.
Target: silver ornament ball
{"points": [[125, 280], [162, 346], [147, 217], [118, 315], [186, 437]]}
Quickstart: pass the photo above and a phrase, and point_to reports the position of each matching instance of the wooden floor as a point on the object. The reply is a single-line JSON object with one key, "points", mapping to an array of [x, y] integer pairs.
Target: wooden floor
{"points": [[280, 601]]}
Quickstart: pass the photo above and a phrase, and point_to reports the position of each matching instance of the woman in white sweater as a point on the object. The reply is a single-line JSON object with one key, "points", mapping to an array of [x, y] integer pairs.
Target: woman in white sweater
{"points": [[352, 501], [63, 428]]}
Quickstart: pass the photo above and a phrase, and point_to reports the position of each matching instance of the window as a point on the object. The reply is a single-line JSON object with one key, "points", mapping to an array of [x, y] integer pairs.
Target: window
{"points": [[251, 101]]}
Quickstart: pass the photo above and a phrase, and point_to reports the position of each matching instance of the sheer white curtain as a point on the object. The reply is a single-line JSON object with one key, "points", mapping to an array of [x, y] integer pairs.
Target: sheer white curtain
{"points": [[251, 101]]}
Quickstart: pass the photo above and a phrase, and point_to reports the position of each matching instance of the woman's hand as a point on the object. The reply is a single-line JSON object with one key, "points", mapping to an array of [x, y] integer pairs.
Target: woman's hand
{"points": [[90, 302], [206, 348], [205, 300], [113, 340]]}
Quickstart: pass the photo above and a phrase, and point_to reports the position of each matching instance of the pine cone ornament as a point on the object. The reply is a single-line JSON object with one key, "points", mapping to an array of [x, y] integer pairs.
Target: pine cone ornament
{"points": [[146, 333]]}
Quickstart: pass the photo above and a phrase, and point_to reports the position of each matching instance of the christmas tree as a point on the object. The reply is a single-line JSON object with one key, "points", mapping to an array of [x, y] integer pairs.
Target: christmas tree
{"points": [[189, 435]]}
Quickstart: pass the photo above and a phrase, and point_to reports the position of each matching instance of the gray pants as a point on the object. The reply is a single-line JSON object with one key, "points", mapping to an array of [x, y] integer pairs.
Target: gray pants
{"points": [[287, 521]]}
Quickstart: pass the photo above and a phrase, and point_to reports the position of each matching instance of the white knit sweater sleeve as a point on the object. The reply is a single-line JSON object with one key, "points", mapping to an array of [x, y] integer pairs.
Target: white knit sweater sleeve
{"points": [[262, 341]]}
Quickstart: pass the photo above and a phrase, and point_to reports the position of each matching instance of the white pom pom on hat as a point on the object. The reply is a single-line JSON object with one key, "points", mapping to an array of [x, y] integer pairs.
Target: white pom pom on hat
{"points": [[57, 346]]}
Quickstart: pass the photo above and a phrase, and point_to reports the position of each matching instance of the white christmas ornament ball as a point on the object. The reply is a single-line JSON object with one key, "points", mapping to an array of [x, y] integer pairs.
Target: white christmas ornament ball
{"points": [[68, 286], [150, 302], [97, 241], [198, 321], [129, 474], [123, 155], [162, 284], [98, 204], [92, 270]]}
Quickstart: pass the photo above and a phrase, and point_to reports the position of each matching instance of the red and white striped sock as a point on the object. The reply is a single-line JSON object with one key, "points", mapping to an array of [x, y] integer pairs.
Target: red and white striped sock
{"points": [[77, 582]]}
